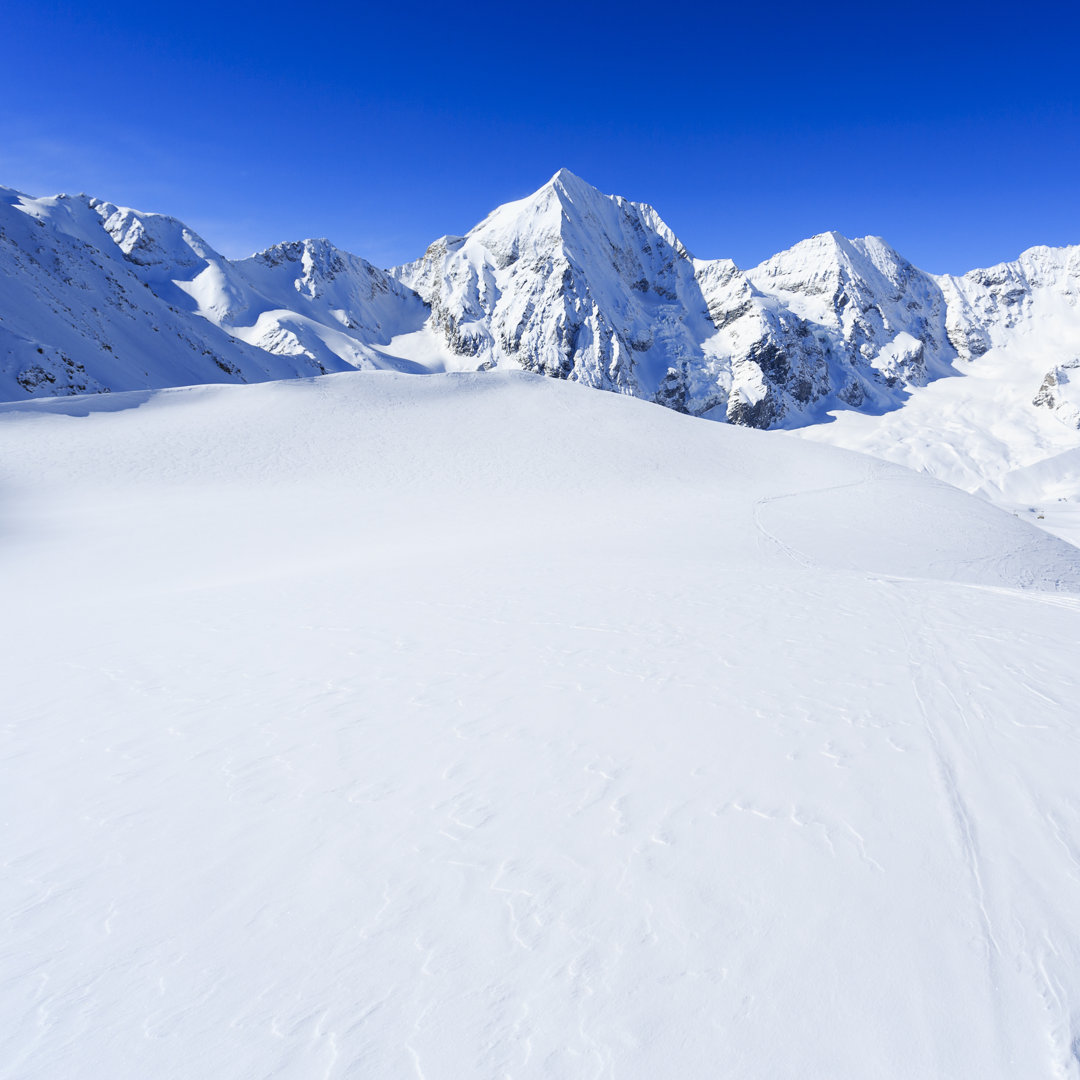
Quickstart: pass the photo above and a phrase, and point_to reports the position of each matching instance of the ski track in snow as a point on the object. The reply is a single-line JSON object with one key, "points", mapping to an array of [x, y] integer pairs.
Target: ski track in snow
{"points": [[927, 675], [607, 744]]}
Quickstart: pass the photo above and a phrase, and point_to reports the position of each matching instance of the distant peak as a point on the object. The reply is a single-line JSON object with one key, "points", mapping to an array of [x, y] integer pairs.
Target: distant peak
{"points": [[831, 238], [565, 176], [572, 185]]}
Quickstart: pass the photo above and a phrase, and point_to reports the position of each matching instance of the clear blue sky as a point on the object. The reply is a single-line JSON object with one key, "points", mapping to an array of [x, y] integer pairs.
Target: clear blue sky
{"points": [[952, 132]]}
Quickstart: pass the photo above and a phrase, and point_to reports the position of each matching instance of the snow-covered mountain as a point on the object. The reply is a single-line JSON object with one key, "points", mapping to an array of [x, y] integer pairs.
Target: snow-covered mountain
{"points": [[533, 731], [595, 288], [969, 378], [569, 283], [843, 340], [94, 297], [1006, 424]]}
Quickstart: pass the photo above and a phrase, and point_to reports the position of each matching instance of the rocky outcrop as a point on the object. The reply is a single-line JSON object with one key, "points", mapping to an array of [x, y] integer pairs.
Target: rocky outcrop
{"points": [[1060, 393]]}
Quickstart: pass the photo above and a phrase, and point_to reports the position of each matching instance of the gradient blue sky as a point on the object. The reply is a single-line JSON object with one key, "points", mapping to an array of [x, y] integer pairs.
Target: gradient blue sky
{"points": [[952, 132]]}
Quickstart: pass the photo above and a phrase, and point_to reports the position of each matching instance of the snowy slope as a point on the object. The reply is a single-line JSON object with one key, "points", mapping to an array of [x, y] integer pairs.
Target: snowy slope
{"points": [[480, 725], [95, 297], [1006, 424]]}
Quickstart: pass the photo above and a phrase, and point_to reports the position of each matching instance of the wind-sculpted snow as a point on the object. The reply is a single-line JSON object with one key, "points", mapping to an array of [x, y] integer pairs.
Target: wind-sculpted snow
{"points": [[484, 726]]}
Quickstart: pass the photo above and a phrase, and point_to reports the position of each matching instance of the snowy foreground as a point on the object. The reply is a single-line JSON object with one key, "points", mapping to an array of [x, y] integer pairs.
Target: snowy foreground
{"points": [[487, 726]]}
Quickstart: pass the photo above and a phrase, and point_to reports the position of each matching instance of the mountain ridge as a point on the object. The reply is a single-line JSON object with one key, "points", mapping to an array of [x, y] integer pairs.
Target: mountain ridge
{"points": [[567, 282]]}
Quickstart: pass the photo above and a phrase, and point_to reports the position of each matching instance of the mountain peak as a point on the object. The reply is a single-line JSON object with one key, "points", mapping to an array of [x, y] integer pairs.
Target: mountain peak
{"points": [[569, 182], [571, 188], [565, 176], [832, 253]]}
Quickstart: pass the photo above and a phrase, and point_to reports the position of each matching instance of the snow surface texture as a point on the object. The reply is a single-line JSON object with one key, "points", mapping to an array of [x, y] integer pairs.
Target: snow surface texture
{"points": [[483, 726]]}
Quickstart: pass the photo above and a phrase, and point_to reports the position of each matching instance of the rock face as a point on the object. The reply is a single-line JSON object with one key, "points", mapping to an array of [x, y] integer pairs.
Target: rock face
{"points": [[1060, 392], [568, 282]]}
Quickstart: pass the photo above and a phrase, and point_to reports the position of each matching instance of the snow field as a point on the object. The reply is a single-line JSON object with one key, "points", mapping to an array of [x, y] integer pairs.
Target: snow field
{"points": [[485, 726]]}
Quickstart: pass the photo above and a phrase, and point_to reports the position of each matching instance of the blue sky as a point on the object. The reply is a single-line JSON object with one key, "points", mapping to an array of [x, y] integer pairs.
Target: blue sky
{"points": [[954, 133]]}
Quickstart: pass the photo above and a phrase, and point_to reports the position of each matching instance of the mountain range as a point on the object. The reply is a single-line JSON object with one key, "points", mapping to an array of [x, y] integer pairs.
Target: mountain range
{"points": [[569, 283]]}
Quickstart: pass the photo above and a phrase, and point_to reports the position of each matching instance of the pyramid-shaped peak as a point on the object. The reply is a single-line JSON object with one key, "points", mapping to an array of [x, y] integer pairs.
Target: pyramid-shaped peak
{"points": [[830, 241], [833, 251], [570, 185], [565, 178], [563, 199]]}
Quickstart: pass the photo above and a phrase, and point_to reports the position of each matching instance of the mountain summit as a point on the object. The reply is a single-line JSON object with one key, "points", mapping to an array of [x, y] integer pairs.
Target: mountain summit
{"points": [[567, 282]]}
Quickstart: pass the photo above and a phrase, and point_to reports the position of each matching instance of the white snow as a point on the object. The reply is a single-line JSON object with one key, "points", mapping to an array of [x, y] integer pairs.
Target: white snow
{"points": [[980, 428], [486, 726], [95, 297]]}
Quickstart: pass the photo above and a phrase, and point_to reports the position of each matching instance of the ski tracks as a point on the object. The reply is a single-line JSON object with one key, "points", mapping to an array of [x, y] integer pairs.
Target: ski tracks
{"points": [[874, 470], [956, 729]]}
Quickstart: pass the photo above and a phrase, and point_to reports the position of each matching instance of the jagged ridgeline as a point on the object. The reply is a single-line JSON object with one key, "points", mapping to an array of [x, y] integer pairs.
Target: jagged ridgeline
{"points": [[568, 282]]}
